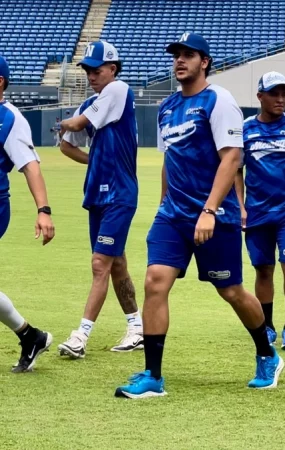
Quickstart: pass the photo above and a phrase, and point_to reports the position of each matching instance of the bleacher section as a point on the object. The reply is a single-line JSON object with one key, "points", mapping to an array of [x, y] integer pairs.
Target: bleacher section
{"points": [[237, 31], [35, 32]]}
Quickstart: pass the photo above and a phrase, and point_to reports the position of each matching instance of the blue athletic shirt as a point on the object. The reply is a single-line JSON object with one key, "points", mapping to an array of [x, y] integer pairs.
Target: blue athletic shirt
{"points": [[264, 158], [111, 173], [191, 131], [16, 145]]}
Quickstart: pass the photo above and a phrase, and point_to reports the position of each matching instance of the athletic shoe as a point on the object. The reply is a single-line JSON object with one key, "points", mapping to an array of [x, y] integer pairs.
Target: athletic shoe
{"points": [[74, 346], [272, 335], [32, 350], [283, 340], [268, 370], [133, 340], [142, 385]]}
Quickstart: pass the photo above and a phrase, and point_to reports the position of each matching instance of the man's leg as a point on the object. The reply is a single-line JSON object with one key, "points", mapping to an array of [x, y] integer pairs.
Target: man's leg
{"points": [[281, 248], [261, 245], [168, 258], [283, 331], [125, 292], [224, 270], [101, 269], [33, 341]]}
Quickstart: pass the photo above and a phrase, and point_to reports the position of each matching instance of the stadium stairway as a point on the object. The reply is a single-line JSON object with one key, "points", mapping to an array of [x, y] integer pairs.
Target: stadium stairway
{"points": [[74, 76]]}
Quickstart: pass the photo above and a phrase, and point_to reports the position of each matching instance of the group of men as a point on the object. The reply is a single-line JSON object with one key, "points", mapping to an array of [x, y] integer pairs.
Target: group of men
{"points": [[201, 213]]}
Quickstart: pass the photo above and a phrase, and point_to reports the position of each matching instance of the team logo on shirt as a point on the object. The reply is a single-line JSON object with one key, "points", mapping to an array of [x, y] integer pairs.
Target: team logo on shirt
{"points": [[194, 110], [282, 132], [184, 130], [260, 149], [235, 132]]}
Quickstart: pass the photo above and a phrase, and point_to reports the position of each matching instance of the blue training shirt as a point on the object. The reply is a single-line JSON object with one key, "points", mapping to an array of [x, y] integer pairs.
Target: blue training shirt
{"points": [[191, 131], [264, 158], [111, 173], [16, 145]]}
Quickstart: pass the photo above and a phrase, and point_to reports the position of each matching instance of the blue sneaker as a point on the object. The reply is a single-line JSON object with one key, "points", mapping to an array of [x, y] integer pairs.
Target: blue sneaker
{"points": [[272, 335], [283, 340], [142, 385], [268, 370]]}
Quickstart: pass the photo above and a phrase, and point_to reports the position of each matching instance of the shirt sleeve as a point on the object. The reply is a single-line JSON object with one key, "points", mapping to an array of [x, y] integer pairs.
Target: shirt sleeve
{"points": [[19, 144], [226, 122], [109, 106], [76, 138], [160, 143]]}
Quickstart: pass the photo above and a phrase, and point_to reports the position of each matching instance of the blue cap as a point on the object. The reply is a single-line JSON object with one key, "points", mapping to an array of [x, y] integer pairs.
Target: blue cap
{"points": [[4, 68], [190, 40], [98, 53], [269, 80]]}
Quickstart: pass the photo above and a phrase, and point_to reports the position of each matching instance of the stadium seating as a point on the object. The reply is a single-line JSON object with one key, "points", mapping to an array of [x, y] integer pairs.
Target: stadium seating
{"points": [[237, 31], [36, 32]]}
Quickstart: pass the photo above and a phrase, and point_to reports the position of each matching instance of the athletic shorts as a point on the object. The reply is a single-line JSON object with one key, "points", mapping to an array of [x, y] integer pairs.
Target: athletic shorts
{"points": [[109, 227], [4, 216], [261, 240], [219, 260]]}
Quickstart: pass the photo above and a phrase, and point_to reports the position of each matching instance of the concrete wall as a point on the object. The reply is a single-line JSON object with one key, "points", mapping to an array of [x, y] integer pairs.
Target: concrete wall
{"points": [[242, 81]]}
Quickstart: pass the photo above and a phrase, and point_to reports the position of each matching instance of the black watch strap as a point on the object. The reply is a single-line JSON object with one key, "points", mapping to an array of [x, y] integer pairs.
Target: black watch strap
{"points": [[209, 211], [45, 210]]}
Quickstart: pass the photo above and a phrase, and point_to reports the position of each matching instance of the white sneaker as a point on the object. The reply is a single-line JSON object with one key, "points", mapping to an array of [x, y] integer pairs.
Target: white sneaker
{"points": [[74, 346], [133, 340]]}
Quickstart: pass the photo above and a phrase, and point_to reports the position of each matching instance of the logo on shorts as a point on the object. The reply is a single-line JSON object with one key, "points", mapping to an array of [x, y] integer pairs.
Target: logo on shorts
{"points": [[105, 240], [220, 274], [284, 252], [104, 187]]}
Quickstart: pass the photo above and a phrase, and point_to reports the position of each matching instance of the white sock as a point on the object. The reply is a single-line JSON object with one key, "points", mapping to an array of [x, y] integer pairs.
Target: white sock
{"points": [[9, 315], [86, 327], [134, 320]]}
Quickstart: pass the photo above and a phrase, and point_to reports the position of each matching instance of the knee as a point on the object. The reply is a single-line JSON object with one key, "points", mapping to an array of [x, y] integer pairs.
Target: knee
{"points": [[119, 266], [232, 294], [154, 282], [100, 267], [264, 273]]}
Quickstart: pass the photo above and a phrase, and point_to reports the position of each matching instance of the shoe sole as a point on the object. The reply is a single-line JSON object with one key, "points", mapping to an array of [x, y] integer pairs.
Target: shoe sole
{"points": [[45, 349], [278, 371], [148, 394], [67, 351], [123, 350]]}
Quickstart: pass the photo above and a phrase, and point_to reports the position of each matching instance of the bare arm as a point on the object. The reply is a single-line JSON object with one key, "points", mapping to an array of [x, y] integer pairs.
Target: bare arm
{"points": [[163, 181], [225, 177], [77, 123], [36, 183], [37, 187], [239, 185], [74, 153]]}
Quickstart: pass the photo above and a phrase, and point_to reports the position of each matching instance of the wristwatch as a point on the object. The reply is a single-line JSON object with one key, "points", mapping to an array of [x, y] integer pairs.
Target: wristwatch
{"points": [[209, 211], [45, 210]]}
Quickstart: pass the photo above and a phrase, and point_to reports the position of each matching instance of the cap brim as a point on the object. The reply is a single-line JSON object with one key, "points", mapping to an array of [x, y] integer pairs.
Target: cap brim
{"points": [[272, 87], [174, 46], [89, 62]]}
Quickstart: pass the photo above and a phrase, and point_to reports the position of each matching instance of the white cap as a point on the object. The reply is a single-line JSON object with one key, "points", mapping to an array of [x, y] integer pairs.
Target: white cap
{"points": [[269, 80]]}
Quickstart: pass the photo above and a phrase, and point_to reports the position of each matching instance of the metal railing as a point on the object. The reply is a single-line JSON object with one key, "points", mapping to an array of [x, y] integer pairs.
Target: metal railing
{"points": [[63, 72]]}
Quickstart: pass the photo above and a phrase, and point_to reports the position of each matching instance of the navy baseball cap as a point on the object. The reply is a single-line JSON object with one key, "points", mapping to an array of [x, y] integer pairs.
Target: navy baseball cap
{"points": [[269, 80], [98, 53], [190, 40], [4, 68]]}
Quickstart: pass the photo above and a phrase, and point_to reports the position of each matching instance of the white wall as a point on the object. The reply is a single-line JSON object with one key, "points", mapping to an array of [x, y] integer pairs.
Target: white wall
{"points": [[242, 81]]}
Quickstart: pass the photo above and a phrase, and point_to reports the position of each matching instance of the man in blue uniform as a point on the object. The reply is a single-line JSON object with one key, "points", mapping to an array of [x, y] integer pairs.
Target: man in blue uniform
{"points": [[264, 210], [110, 190], [200, 133], [17, 149]]}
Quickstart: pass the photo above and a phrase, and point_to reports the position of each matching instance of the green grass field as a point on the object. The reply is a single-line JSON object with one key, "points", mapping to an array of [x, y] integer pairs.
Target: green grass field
{"points": [[70, 405]]}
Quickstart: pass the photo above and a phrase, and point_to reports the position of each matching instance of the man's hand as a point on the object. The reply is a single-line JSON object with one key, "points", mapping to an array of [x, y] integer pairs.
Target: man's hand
{"points": [[45, 227], [243, 218], [204, 228]]}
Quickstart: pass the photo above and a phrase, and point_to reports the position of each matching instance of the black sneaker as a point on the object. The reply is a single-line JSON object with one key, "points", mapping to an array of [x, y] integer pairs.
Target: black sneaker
{"points": [[31, 351]]}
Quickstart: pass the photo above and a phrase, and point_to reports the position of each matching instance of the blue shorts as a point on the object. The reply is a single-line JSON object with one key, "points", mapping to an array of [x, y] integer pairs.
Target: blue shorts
{"points": [[219, 260], [261, 241], [109, 227], [4, 216]]}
